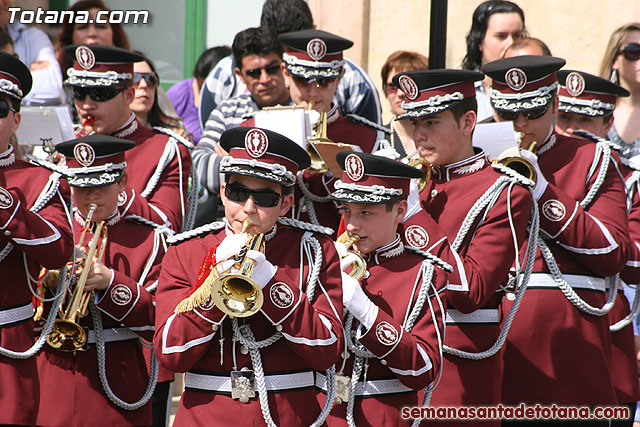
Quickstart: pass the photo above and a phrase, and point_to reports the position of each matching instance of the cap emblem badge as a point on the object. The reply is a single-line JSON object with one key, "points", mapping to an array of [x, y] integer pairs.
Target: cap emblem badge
{"points": [[575, 84], [316, 49], [354, 167], [416, 236], [516, 78], [85, 57], [256, 143], [84, 154], [408, 86]]}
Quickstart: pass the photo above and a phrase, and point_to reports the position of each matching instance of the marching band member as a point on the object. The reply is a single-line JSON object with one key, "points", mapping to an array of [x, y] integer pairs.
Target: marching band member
{"points": [[586, 102], [35, 232], [483, 212], [395, 317], [558, 348], [313, 66], [82, 387], [159, 165], [245, 362]]}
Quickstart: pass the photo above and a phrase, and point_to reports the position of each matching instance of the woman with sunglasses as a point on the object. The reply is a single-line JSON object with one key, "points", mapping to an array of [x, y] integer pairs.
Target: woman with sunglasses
{"points": [[621, 64]]}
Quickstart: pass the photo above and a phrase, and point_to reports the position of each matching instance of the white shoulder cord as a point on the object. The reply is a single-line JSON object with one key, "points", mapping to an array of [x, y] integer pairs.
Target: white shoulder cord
{"points": [[424, 279], [310, 247], [632, 187], [100, 352], [483, 205], [603, 153], [50, 189]]}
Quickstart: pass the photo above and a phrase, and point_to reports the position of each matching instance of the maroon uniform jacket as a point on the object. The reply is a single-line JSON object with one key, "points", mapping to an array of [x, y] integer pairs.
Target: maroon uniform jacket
{"points": [[70, 389], [406, 361], [623, 353], [40, 238], [200, 342], [487, 254], [165, 200], [555, 353]]}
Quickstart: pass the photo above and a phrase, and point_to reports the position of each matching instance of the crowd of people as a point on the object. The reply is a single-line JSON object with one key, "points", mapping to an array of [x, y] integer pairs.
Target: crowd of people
{"points": [[342, 272]]}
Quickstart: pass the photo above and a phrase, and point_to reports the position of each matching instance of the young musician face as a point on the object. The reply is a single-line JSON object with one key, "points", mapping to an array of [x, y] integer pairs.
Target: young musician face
{"points": [[569, 122], [262, 218], [109, 115], [536, 129], [8, 125], [303, 91], [106, 199], [375, 225], [441, 139], [264, 79]]}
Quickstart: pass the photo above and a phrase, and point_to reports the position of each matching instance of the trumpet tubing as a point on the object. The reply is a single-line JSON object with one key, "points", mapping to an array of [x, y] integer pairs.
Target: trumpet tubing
{"points": [[421, 163], [512, 159], [359, 266]]}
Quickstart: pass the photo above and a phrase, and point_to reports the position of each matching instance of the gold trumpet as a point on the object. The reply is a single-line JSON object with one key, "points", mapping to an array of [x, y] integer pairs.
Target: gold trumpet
{"points": [[234, 291], [359, 266], [512, 159], [66, 334], [420, 162], [319, 135]]}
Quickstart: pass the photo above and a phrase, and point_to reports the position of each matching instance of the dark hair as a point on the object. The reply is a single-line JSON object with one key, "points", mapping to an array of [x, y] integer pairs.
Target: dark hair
{"points": [[5, 39], [255, 41], [400, 61], [65, 37], [284, 16], [478, 30], [529, 41], [391, 203], [208, 59], [155, 115], [467, 104]]}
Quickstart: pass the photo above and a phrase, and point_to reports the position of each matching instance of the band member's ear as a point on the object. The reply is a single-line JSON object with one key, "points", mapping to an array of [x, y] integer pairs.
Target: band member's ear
{"points": [[468, 122]]}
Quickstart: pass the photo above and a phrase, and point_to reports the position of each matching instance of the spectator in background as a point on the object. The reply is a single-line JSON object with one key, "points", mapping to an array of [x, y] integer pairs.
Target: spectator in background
{"points": [[35, 51], [145, 104], [104, 34], [185, 95], [402, 130], [356, 93], [527, 46], [621, 64], [494, 26]]}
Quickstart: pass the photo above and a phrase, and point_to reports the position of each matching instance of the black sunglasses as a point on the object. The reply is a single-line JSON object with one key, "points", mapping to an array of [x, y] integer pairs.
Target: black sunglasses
{"points": [[536, 113], [239, 193], [151, 79], [320, 83], [5, 107], [255, 73], [98, 94], [631, 51]]}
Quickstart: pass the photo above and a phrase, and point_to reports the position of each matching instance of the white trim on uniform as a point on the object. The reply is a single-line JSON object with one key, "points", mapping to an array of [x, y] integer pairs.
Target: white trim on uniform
{"points": [[222, 383], [16, 314], [482, 315], [576, 281], [371, 388]]}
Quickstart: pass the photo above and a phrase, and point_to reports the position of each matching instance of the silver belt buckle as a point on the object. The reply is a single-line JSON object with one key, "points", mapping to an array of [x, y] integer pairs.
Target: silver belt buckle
{"points": [[343, 387], [243, 385]]}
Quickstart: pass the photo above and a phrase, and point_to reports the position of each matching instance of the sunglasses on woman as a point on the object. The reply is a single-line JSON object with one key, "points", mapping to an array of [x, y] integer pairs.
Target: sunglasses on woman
{"points": [[239, 193], [150, 78], [5, 107], [631, 51], [97, 94], [533, 114]]}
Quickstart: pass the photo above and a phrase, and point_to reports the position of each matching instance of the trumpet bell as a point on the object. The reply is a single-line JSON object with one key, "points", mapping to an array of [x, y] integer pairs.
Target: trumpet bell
{"points": [[512, 159], [421, 163], [237, 295], [67, 336]]}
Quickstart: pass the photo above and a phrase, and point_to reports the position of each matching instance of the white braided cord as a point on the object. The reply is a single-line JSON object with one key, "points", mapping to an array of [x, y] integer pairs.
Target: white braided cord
{"points": [[100, 352]]}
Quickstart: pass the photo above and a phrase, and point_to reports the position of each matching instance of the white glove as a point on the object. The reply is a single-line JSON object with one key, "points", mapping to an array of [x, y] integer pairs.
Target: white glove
{"points": [[634, 162], [341, 248], [541, 181], [389, 153], [413, 200], [347, 260], [263, 271], [230, 246], [357, 302]]}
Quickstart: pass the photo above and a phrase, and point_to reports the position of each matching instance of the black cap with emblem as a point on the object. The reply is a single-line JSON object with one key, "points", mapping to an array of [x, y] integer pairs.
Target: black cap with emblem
{"points": [[15, 77], [586, 94], [100, 66], [434, 91], [372, 179], [263, 154], [314, 54], [94, 160], [524, 82]]}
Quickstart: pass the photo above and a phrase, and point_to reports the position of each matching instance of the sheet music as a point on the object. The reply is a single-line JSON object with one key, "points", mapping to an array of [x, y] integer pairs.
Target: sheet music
{"points": [[494, 138]]}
